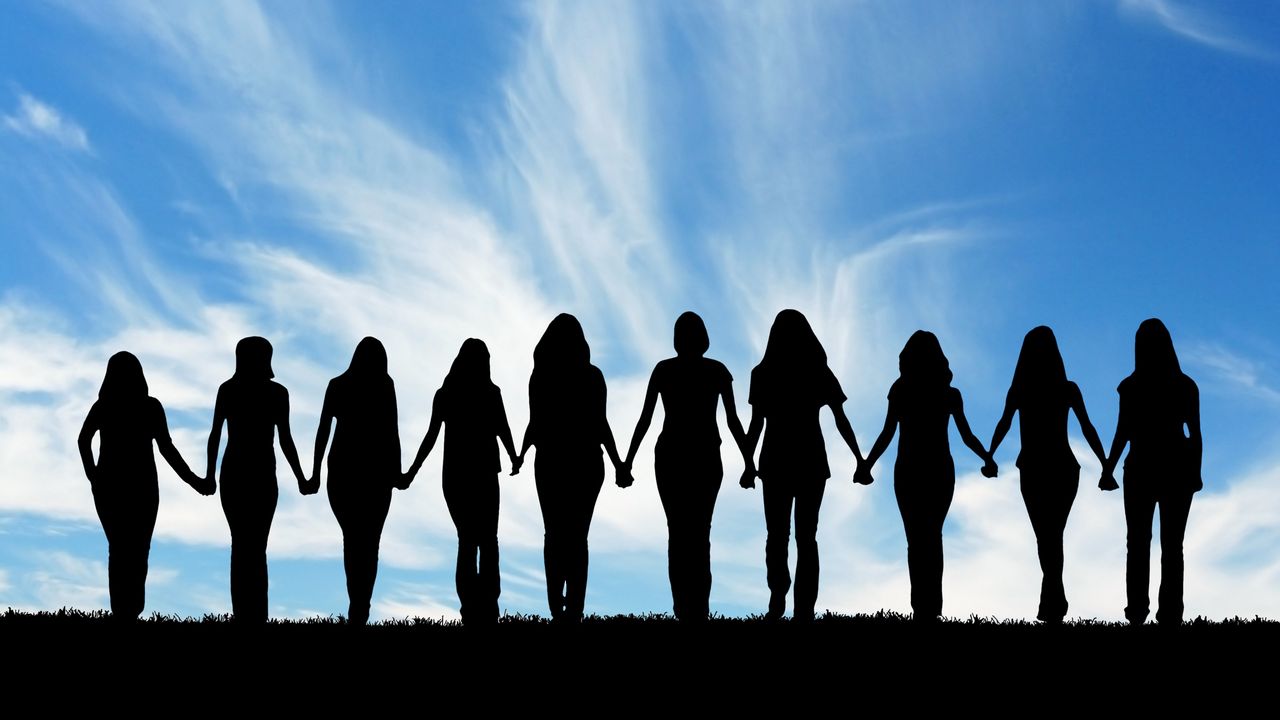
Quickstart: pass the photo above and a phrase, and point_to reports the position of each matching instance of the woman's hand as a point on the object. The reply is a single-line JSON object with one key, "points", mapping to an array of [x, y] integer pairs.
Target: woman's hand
{"points": [[517, 462], [309, 487], [622, 475], [405, 480], [1108, 481], [748, 479], [990, 469], [862, 475]]}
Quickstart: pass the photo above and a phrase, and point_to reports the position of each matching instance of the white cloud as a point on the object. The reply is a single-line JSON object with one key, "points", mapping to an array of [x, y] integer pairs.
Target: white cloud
{"points": [[34, 118], [1234, 370], [1196, 24], [65, 580]]}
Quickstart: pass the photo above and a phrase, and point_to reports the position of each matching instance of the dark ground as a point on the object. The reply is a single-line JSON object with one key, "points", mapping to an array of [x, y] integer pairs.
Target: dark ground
{"points": [[882, 665]]}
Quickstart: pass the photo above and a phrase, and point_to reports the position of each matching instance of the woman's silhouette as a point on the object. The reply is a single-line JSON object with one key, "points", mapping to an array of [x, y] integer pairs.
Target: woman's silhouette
{"points": [[364, 464], [687, 458], [253, 406], [1160, 421], [126, 493], [789, 387], [470, 407], [923, 403], [1042, 396], [567, 424]]}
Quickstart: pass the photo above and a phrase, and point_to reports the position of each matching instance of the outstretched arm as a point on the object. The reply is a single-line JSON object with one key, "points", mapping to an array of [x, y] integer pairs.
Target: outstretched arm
{"points": [[846, 430], [290, 450], [1086, 427], [85, 442], [322, 436], [966, 434], [646, 417]]}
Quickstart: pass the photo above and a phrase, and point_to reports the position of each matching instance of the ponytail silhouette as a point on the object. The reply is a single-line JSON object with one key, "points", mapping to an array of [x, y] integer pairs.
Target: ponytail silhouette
{"points": [[1042, 396], [364, 465], [254, 407], [1160, 422], [126, 492], [568, 426], [922, 402]]}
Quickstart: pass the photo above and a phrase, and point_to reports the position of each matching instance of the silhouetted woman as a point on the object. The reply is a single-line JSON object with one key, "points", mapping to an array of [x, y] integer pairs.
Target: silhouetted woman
{"points": [[789, 387], [567, 424], [686, 460], [253, 406], [364, 464], [923, 403], [126, 493], [470, 408], [1042, 396], [1160, 421]]}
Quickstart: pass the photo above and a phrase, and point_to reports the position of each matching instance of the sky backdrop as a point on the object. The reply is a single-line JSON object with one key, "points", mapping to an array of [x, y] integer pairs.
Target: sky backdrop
{"points": [[175, 176]]}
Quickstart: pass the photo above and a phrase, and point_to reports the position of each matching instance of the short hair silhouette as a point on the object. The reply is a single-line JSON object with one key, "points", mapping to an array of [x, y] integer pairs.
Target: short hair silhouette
{"points": [[691, 337], [253, 359]]}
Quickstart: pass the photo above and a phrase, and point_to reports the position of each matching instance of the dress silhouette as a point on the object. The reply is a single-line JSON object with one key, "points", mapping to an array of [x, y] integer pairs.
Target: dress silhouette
{"points": [[470, 408], [1160, 421], [253, 407], [126, 493], [364, 464], [789, 387], [922, 402], [568, 426], [687, 463], [1042, 396]]}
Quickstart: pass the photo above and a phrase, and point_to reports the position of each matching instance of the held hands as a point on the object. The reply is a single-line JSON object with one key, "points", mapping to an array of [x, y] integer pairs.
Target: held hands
{"points": [[309, 487], [622, 474], [862, 475], [1108, 481], [204, 485], [517, 461], [405, 479], [990, 469], [748, 479]]}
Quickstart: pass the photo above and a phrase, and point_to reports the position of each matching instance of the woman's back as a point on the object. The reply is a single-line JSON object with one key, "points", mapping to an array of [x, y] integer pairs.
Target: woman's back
{"points": [[790, 401], [367, 436], [1155, 413], [924, 413], [252, 408], [472, 415], [1042, 421], [568, 408], [690, 388], [127, 429]]}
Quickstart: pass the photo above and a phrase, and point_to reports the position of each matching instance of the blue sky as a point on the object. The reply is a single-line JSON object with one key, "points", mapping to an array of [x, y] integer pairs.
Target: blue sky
{"points": [[176, 176]]}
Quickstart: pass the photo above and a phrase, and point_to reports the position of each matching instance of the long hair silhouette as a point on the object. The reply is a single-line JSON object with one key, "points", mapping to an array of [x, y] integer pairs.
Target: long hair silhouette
{"points": [[1042, 396], [568, 425], [126, 493], [364, 465], [470, 408], [789, 387], [922, 402], [254, 407], [687, 462], [1160, 422]]}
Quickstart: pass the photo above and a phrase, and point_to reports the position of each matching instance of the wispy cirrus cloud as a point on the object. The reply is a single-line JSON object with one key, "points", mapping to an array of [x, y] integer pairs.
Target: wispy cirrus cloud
{"points": [[1198, 24], [35, 118]]}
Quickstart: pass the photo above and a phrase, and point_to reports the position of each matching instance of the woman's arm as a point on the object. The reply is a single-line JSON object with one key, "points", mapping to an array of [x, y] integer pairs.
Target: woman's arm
{"points": [[863, 474], [215, 441], [322, 435], [428, 442], [754, 429], [1193, 428], [735, 429], [846, 430], [966, 434], [92, 424], [290, 450], [646, 417], [504, 435], [1108, 480], [1086, 427], [1002, 429], [170, 453]]}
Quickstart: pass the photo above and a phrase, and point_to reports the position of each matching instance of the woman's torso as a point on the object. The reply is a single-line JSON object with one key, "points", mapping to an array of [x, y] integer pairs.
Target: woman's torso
{"points": [[471, 416], [924, 415], [127, 432], [366, 440], [252, 410], [793, 446], [1156, 415], [690, 389], [568, 412], [1042, 422]]}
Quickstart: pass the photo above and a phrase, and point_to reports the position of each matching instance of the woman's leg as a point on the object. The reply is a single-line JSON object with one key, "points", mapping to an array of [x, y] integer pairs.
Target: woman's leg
{"points": [[464, 576], [582, 507], [1174, 510], [808, 503], [488, 579], [708, 488], [249, 512], [1048, 500], [671, 490], [128, 520], [360, 550], [552, 502], [779, 497], [1139, 509], [924, 510]]}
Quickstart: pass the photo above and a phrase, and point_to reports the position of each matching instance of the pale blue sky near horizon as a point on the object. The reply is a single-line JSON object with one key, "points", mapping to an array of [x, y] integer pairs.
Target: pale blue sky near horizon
{"points": [[176, 176]]}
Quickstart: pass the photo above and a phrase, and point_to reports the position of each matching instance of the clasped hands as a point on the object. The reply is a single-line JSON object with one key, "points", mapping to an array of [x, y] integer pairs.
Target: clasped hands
{"points": [[204, 485]]}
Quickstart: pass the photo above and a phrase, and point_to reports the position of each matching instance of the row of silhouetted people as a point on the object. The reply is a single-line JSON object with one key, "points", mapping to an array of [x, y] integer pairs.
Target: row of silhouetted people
{"points": [[1158, 421]]}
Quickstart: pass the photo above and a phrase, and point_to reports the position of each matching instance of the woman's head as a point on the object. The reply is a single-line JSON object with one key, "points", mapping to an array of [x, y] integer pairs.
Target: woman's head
{"points": [[471, 366], [1153, 353], [253, 359], [563, 344], [922, 361], [124, 379], [691, 335], [1040, 362], [369, 360], [792, 343]]}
